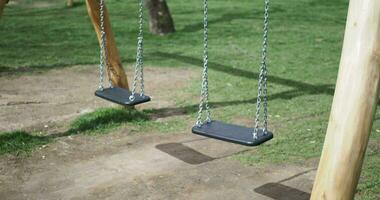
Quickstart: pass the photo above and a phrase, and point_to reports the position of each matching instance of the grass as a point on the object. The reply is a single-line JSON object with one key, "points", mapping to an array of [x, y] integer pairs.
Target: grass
{"points": [[19, 142], [305, 45], [101, 121], [369, 186], [105, 119]]}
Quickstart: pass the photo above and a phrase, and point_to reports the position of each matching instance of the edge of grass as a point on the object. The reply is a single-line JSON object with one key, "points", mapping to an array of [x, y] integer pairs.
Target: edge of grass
{"points": [[20, 142]]}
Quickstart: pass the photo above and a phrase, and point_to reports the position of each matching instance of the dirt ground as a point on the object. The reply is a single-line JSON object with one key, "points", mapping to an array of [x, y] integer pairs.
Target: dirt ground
{"points": [[53, 98], [117, 166]]}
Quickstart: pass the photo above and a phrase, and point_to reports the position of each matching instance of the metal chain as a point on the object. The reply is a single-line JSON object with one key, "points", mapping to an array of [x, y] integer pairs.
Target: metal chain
{"points": [[139, 66], [204, 101], [262, 88], [103, 54]]}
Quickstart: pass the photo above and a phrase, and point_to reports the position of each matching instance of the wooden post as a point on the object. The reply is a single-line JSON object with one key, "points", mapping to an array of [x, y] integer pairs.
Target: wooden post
{"points": [[354, 105], [115, 69], [160, 19], [70, 3], [2, 5]]}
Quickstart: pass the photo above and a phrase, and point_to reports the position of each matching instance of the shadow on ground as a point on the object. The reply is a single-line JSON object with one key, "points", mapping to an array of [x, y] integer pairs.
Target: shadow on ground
{"points": [[306, 88], [97, 122], [279, 191], [6, 70], [184, 153], [107, 118]]}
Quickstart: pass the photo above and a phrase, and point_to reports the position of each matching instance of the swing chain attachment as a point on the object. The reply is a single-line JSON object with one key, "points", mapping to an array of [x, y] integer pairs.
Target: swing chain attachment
{"points": [[262, 88], [103, 54], [139, 66], [204, 101]]}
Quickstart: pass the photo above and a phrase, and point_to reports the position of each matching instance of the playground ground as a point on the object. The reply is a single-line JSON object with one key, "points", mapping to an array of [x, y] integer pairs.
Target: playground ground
{"points": [[59, 141], [127, 164]]}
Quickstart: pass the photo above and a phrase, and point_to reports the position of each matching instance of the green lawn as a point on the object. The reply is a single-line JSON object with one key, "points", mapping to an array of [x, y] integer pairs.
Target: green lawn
{"points": [[305, 45]]}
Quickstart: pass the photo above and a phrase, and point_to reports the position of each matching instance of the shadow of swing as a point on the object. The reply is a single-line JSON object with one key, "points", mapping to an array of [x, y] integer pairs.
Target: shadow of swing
{"points": [[279, 191], [184, 153], [189, 155]]}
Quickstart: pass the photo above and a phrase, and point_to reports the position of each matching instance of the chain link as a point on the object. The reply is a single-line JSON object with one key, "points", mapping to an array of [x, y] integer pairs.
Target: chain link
{"points": [[103, 49], [139, 66], [262, 88], [204, 101], [103, 54]]}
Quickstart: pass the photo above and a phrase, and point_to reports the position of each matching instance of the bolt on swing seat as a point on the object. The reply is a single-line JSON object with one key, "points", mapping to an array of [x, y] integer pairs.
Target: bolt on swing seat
{"points": [[232, 133], [121, 96]]}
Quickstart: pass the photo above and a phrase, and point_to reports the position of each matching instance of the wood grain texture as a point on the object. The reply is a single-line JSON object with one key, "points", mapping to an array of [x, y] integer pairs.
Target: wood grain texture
{"points": [[115, 68], [354, 104]]}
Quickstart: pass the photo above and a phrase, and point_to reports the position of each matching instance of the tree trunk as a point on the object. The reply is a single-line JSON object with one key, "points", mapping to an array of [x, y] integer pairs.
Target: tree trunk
{"points": [[160, 19], [70, 3], [115, 69], [354, 105], [2, 5]]}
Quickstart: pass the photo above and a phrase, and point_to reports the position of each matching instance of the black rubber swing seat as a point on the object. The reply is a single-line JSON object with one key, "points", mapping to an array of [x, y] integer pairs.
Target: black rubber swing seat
{"points": [[121, 96], [232, 133]]}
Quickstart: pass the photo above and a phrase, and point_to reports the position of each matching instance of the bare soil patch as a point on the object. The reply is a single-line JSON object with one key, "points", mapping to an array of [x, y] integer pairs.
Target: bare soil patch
{"points": [[120, 165], [53, 98]]}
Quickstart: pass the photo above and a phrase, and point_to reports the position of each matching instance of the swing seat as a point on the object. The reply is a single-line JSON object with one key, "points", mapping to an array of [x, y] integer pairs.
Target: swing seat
{"points": [[121, 96], [232, 133]]}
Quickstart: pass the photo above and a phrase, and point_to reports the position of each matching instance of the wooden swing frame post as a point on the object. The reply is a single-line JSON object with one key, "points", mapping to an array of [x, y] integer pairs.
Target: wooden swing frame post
{"points": [[354, 105], [115, 68], [70, 3], [2, 5]]}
